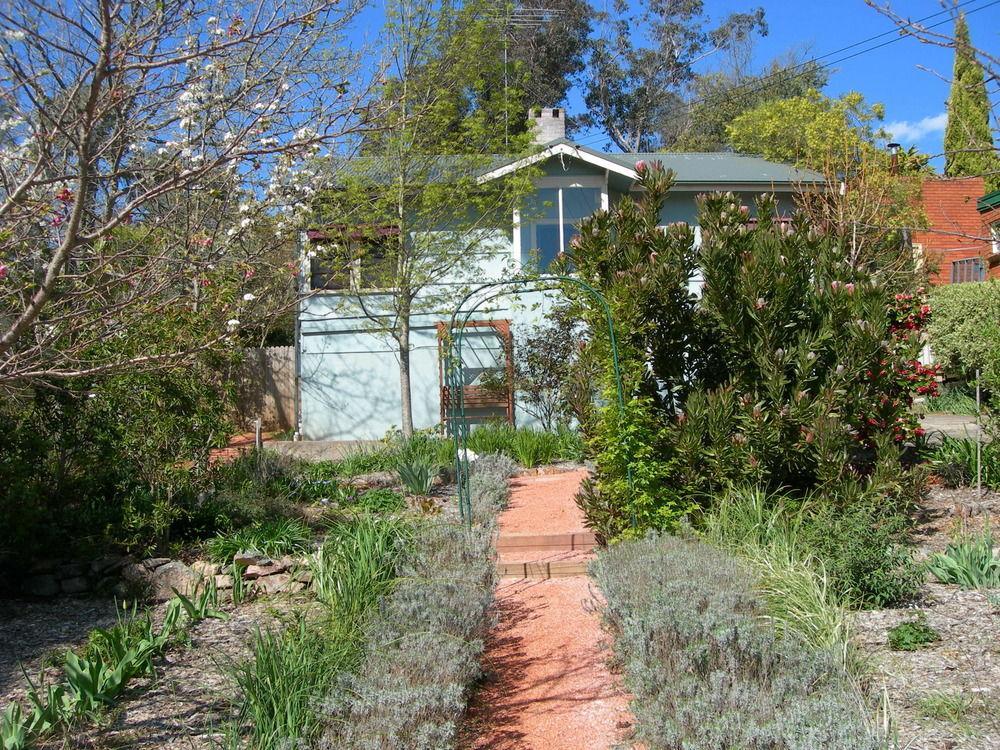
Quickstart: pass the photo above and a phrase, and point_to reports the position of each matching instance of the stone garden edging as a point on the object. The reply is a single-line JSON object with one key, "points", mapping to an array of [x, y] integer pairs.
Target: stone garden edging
{"points": [[158, 577]]}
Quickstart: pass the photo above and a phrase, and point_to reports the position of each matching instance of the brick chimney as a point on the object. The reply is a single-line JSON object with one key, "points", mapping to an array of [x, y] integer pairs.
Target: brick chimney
{"points": [[549, 124]]}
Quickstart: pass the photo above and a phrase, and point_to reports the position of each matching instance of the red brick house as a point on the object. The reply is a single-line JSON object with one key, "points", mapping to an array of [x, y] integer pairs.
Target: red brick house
{"points": [[958, 244]]}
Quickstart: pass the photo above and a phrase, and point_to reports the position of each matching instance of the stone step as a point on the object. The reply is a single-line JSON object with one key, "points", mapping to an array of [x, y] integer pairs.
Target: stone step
{"points": [[579, 540]]}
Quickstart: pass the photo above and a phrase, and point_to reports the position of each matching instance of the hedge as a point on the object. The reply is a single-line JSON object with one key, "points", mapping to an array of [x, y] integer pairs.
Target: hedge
{"points": [[423, 650], [965, 327], [705, 669]]}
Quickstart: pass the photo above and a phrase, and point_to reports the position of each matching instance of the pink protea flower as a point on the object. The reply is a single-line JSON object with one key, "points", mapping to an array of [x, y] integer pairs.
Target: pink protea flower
{"points": [[761, 303], [4, 271], [640, 167], [835, 285], [849, 287], [249, 273]]}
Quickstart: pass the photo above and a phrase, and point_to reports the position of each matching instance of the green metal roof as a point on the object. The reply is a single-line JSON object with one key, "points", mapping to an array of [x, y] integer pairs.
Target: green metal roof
{"points": [[689, 168], [713, 168], [989, 201]]}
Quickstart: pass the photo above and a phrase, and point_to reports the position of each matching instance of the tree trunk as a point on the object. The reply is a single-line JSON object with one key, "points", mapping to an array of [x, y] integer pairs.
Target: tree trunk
{"points": [[405, 395]]}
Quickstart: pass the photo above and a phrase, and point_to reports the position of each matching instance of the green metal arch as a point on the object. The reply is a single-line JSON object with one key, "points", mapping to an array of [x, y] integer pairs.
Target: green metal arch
{"points": [[457, 421]]}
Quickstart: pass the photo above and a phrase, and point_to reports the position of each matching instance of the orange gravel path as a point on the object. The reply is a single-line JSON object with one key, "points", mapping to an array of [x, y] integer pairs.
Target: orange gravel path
{"points": [[548, 686], [543, 504]]}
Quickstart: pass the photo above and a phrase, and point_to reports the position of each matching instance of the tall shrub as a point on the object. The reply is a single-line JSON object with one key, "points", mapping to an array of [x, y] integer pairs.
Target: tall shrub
{"points": [[107, 462], [794, 369], [965, 330]]}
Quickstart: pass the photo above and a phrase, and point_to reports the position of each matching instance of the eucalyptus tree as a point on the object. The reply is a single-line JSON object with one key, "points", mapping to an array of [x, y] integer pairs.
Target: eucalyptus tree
{"points": [[643, 61]]}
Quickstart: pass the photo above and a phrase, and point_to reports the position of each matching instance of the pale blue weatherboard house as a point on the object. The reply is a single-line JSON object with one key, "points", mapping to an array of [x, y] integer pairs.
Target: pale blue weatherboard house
{"points": [[347, 373]]}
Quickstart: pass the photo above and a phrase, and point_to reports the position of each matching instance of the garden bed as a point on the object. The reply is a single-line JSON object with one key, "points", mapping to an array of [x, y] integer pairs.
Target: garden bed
{"points": [[944, 695], [191, 698]]}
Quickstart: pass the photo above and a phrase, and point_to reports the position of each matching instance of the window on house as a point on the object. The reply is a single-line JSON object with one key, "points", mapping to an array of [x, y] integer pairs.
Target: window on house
{"points": [[329, 273], [549, 221], [967, 269], [995, 236], [360, 262]]}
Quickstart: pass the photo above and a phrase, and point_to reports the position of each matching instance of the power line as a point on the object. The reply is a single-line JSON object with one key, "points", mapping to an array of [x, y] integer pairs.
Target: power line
{"points": [[789, 74]]}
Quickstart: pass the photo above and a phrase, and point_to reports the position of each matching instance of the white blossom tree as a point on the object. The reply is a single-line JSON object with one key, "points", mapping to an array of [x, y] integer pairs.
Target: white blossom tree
{"points": [[146, 154]]}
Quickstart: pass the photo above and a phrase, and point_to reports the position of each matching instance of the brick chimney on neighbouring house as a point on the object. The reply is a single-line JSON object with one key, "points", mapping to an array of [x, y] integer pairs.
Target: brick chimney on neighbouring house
{"points": [[549, 124]]}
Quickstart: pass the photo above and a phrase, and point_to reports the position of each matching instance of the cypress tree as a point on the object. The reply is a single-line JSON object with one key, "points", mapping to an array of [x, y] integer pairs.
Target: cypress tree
{"points": [[968, 140]]}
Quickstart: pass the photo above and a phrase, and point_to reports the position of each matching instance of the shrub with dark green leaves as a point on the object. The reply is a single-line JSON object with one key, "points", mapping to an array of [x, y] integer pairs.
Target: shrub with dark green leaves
{"points": [[793, 370], [865, 551], [705, 670], [93, 464]]}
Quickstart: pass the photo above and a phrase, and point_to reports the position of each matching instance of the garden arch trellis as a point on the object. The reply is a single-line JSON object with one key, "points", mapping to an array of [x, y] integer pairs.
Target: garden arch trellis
{"points": [[457, 421]]}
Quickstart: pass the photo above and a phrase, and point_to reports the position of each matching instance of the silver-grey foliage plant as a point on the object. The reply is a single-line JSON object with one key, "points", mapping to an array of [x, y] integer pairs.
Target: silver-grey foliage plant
{"points": [[423, 648], [705, 670]]}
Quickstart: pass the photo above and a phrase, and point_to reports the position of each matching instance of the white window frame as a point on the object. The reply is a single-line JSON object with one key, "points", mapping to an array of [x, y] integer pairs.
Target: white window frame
{"points": [[598, 182], [995, 237]]}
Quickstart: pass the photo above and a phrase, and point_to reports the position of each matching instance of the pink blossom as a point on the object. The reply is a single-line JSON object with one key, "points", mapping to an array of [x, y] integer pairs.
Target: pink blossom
{"points": [[761, 303], [640, 167], [65, 195], [249, 273], [849, 287], [3, 271], [835, 285]]}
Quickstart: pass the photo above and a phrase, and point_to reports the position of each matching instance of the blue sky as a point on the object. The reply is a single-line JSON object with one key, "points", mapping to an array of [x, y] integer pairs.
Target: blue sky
{"points": [[914, 98]]}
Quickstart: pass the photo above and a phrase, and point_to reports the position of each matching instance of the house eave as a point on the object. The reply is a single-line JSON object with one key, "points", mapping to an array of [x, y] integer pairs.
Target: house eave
{"points": [[560, 149]]}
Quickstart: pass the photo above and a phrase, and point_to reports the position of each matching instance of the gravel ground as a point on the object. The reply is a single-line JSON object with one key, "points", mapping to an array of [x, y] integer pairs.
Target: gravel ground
{"points": [[183, 706], [945, 696], [33, 632]]}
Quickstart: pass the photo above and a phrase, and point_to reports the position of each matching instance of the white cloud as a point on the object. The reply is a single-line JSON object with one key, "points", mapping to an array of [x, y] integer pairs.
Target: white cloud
{"points": [[907, 132]]}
